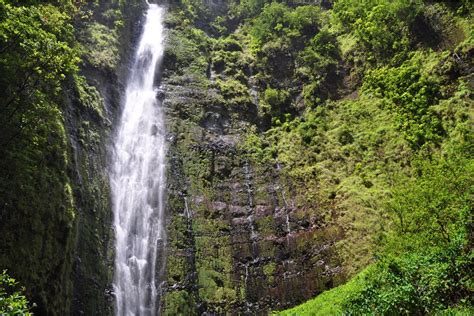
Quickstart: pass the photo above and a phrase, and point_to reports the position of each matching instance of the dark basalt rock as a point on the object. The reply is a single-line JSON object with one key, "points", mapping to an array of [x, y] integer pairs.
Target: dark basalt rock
{"points": [[237, 241]]}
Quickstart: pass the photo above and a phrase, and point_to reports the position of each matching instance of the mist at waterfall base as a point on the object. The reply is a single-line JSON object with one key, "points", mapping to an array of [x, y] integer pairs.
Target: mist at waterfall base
{"points": [[138, 178]]}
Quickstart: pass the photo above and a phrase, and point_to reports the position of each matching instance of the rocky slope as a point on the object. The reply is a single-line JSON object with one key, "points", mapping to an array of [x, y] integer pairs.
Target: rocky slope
{"points": [[240, 239], [282, 148]]}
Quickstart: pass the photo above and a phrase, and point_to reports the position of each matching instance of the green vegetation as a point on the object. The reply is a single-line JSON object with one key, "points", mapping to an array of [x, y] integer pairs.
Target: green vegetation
{"points": [[330, 302], [101, 46], [12, 300], [424, 262], [352, 100], [36, 57], [365, 107], [43, 45]]}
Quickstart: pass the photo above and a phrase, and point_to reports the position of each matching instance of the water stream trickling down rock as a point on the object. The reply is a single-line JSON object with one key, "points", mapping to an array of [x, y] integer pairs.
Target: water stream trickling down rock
{"points": [[138, 178]]}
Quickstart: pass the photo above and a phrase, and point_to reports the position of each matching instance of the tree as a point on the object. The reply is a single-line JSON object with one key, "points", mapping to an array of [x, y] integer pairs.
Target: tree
{"points": [[36, 53]]}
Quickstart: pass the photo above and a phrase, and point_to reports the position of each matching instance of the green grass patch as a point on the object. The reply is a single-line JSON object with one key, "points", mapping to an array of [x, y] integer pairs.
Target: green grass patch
{"points": [[329, 302]]}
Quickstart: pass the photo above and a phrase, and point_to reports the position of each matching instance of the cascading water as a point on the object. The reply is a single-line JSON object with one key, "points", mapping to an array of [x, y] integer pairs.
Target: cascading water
{"points": [[138, 178]]}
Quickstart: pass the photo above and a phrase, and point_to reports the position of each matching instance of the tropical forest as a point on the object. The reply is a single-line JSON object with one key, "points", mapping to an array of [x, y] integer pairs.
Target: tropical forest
{"points": [[236, 157]]}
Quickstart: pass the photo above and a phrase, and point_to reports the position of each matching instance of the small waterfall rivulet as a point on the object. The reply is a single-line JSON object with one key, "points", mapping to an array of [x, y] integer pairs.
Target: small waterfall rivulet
{"points": [[138, 178]]}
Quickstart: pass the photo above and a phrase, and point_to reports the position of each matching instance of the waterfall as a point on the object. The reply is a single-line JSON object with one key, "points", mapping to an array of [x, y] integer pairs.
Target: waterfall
{"points": [[138, 178]]}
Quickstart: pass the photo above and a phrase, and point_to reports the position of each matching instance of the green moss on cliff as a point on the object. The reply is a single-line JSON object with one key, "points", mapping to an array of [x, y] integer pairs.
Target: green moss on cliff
{"points": [[36, 193], [54, 204], [342, 99], [100, 45]]}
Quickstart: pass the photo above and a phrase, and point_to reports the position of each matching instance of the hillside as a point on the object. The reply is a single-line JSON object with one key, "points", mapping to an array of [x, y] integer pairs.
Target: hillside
{"points": [[313, 149]]}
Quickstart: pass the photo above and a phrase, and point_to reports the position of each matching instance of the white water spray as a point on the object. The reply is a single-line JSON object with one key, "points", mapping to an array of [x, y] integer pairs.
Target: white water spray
{"points": [[138, 178]]}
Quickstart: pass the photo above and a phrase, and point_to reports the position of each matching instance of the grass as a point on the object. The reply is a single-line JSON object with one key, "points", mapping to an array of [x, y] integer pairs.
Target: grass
{"points": [[329, 302]]}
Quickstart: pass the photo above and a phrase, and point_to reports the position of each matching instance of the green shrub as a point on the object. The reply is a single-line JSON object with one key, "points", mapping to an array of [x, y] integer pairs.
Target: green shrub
{"points": [[278, 100], [278, 21], [186, 52], [317, 64], [410, 92], [415, 283], [425, 262], [380, 26], [12, 299], [101, 46]]}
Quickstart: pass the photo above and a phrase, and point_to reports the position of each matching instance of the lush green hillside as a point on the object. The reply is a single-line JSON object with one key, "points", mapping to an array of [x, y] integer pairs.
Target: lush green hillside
{"points": [[312, 145], [367, 106], [377, 114], [424, 264]]}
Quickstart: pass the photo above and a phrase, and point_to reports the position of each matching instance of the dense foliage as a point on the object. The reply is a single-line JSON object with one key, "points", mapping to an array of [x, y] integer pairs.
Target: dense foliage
{"points": [[367, 106], [43, 45], [37, 54], [12, 300], [425, 261]]}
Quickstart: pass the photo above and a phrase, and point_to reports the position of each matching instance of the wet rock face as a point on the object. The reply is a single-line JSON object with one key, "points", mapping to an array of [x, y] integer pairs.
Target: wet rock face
{"points": [[88, 134], [92, 107], [239, 241]]}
